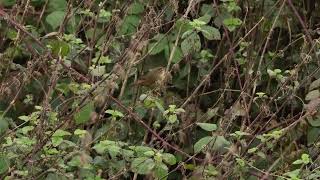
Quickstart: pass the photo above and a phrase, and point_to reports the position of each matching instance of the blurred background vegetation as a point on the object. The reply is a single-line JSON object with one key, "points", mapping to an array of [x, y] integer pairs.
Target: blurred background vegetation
{"points": [[159, 89]]}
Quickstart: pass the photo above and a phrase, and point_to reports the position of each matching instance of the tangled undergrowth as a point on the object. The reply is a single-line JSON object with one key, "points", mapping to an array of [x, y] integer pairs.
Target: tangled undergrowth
{"points": [[159, 89]]}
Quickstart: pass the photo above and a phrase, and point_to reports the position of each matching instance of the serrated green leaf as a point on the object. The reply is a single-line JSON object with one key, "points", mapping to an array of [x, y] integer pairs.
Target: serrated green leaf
{"points": [[142, 165], [191, 44], [161, 171], [149, 153], [113, 150], [210, 33], [169, 158], [140, 150]]}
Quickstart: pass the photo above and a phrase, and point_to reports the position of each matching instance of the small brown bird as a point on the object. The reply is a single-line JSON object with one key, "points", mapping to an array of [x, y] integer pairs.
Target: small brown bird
{"points": [[156, 76]]}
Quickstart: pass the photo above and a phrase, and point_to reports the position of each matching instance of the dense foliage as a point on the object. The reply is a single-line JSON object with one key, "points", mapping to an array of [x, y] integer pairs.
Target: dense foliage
{"points": [[159, 89]]}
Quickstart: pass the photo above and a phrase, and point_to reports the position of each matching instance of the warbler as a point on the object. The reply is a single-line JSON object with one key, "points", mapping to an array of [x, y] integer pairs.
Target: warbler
{"points": [[155, 77]]}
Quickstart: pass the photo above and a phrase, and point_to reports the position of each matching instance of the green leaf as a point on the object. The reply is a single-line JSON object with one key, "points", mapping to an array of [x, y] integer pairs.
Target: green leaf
{"points": [[191, 44], [157, 47], [169, 158], [210, 33], [127, 154], [100, 148], [252, 150], [207, 9], [7, 3], [80, 132], [24, 118], [4, 164], [11, 34], [212, 112], [56, 141], [211, 171], [293, 174], [83, 115], [177, 55], [161, 171], [129, 24], [104, 16], [208, 126], [4, 125], [314, 121], [159, 105], [305, 158], [59, 48], [113, 150], [140, 150], [172, 118], [142, 165], [114, 113], [61, 133], [101, 60], [232, 23], [196, 24], [136, 8], [55, 5], [314, 85], [313, 135], [26, 129], [55, 176], [218, 21], [312, 95], [261, 154], [55, 18], [83, 161], [202, 143], [205, 18], [98, 70], [25, 141], [215, 143], [149, 153]]}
